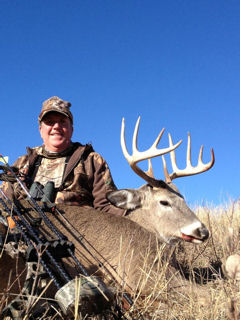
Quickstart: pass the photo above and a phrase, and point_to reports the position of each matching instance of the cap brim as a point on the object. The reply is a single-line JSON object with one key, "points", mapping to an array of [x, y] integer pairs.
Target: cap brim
{"points": [[52, 110]]}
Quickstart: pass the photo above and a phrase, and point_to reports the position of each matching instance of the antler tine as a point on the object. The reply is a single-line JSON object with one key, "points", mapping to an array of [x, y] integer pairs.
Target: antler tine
{"points": [[149, 172], [167, 177], [135, 134], [189, 170], [200, 155], [172, 156], [123, 141], [148, 154], [189, 161]]}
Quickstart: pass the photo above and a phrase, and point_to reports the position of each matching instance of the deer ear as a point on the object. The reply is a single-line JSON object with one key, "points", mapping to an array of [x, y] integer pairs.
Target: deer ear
{"points": [[125, 199]]}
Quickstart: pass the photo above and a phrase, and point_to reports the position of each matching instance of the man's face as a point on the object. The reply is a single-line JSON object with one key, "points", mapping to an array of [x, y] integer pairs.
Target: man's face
{"points": [[56, 131]]}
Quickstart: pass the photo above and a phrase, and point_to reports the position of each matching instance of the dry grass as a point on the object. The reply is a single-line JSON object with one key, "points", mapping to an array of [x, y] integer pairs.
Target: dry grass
{"points": [[211, 295]]}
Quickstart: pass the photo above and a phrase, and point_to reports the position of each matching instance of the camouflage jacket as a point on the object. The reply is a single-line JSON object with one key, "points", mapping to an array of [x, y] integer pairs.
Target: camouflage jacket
{"points": [[86, 178]]}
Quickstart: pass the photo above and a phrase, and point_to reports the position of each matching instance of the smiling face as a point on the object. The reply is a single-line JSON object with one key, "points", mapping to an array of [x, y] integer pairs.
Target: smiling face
{"points": [[56, 131]]}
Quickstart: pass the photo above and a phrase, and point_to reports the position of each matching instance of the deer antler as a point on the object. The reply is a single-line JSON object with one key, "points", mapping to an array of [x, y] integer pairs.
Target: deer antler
{"points": [[189, 170], [148, 154]]}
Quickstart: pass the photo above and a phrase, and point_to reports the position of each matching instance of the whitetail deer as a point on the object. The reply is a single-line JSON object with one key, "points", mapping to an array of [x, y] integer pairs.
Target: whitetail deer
{"points": [[119, 245]]}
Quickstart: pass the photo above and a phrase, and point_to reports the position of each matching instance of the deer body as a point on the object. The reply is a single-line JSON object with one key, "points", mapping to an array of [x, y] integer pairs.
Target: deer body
{"points": [[124, 246], [122, 249]]}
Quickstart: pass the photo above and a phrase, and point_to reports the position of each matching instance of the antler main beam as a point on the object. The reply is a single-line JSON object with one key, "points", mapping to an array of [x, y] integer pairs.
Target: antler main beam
{"points": [[138, 156], [189, 170]]}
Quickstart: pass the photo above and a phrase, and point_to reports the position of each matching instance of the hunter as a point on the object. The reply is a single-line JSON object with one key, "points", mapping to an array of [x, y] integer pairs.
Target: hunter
{"points": [[81, 177]]}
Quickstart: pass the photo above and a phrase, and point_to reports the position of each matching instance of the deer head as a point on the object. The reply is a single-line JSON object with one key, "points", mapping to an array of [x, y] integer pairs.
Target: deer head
{"points": [[159, 206]]}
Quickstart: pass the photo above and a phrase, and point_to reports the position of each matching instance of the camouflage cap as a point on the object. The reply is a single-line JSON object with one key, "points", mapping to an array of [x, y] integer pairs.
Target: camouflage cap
{"points": [[55, 104]]}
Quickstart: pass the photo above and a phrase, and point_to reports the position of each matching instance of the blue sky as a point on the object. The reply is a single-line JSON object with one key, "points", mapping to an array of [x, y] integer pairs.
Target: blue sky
{"points": [[174, 63]]}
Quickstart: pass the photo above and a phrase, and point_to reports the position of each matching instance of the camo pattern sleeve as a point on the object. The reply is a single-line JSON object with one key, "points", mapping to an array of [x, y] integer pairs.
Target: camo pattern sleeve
{"points": [[102, 184]]}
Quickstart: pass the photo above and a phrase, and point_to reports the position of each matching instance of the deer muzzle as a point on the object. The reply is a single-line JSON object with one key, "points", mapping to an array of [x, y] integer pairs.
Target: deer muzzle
{"points": [[194, 233]]}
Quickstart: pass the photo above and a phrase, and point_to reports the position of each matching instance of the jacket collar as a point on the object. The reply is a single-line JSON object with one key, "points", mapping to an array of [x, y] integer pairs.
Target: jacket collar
{"points": [[79, 152]]}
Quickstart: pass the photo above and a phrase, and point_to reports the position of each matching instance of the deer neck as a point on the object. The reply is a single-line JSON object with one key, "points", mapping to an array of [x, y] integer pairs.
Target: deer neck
{"points": [[141, 217]]}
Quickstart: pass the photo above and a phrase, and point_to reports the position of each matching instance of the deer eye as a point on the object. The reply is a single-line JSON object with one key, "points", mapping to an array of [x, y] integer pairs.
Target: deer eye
{"points": [[164, 203]]}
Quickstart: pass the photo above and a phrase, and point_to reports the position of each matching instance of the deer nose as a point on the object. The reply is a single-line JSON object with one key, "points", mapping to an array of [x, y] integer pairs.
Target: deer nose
{"points": [[203, 233]]}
